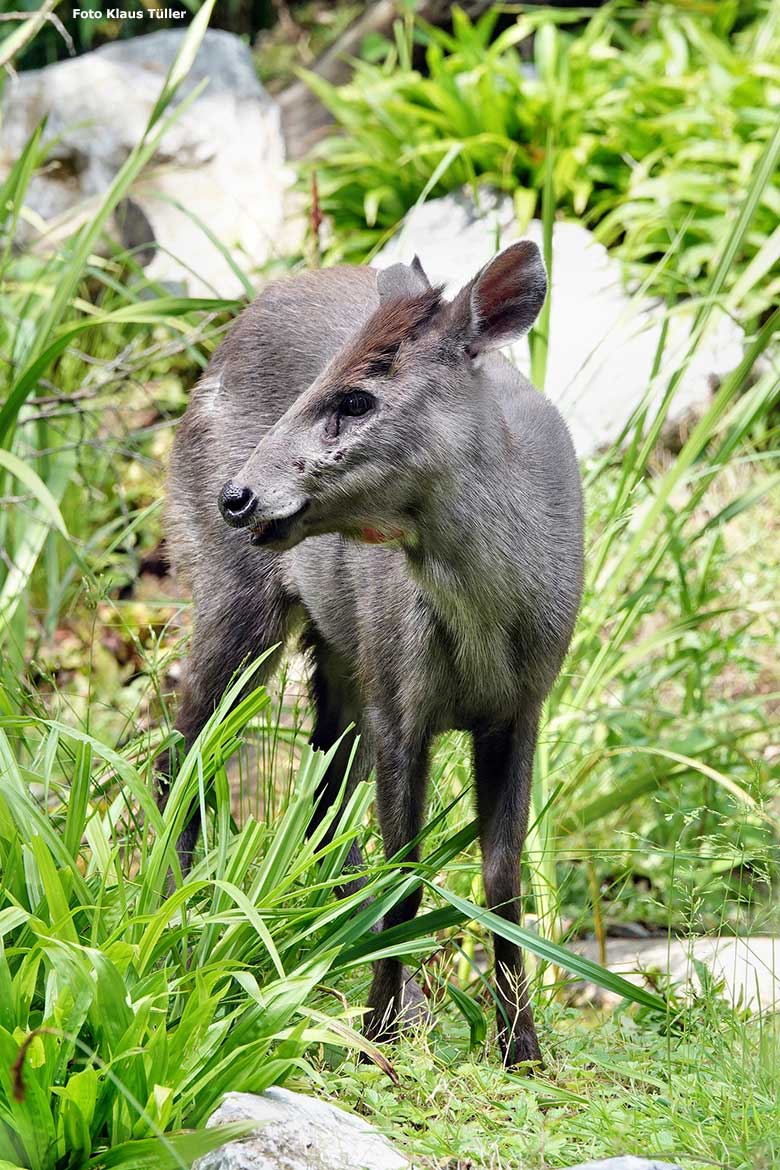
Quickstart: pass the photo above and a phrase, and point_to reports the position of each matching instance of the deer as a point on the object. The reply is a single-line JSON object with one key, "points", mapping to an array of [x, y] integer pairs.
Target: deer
{"points": [[359, 466]]}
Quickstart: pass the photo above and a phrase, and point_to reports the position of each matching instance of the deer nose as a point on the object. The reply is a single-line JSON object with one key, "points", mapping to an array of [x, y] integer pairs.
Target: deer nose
{"points": [[237, 504]]}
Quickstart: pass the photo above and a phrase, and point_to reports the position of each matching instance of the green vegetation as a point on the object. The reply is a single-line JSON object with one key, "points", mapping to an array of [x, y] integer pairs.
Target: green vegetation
{"points": [[131, 998], [708, 1096], [654, 118], [307, 31]]}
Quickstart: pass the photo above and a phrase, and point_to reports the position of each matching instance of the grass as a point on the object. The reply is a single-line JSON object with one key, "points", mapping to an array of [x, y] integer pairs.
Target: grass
{"points": [[252, 971], [140, 1006], [707, 1097], [129, 1004]]}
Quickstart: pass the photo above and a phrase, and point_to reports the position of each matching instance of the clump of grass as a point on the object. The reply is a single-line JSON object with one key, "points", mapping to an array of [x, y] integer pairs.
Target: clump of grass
{"points": [[129, 1007], [68, 322]]}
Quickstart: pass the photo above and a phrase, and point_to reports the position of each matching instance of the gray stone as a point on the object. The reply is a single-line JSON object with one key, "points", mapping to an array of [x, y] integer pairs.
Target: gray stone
{"points": [[626, 1162], [222, 160], [296, 1132], [602, 341]]}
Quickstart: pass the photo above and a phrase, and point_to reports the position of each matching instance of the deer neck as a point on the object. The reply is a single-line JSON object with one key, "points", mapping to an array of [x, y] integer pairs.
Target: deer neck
{"points": [[469, 527]]}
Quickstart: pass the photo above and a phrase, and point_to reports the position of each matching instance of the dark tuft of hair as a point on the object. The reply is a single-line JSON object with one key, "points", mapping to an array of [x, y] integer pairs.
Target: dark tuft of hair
{"points": [[374, 349]]}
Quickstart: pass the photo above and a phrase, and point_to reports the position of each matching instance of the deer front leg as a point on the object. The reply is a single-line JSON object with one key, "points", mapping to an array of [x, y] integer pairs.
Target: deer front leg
{"points": [[401, 777], [503, 762]]}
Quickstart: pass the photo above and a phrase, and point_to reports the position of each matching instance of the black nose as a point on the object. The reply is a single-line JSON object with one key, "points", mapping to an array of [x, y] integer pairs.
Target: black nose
{"points": [[237, 504]]}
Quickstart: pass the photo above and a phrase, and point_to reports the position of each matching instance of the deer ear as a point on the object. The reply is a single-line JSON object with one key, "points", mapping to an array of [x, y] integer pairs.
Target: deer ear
{"points": [[503, 300], [402, 280]]}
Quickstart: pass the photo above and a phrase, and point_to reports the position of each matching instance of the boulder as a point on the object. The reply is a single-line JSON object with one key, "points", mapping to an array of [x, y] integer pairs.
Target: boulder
{"points": [[296, 1132], [602, 341], [221, 164]]}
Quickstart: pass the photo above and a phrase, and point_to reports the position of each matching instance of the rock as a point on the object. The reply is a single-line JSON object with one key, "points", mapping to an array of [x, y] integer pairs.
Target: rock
{"points": [[602, 341], [748, 967], [626, 1162], [296, 1132], [222, 160]]}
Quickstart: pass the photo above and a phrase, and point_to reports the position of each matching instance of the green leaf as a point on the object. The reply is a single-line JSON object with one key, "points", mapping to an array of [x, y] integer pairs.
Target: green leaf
{"points": [[554, 953], [174, 1151], [36, 486], [472, 1013]]}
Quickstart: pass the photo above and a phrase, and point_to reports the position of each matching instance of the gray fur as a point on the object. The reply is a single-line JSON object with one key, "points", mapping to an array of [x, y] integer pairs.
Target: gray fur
{"points": [[463, 617]]}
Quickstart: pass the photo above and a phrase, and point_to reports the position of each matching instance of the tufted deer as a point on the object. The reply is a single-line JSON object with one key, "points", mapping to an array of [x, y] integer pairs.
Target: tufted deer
{"points": [[356, 458]]}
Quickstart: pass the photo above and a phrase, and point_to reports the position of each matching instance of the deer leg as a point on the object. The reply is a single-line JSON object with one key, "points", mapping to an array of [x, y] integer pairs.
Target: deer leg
{"points": [[503, 762], [402, 773], [227, 635], [331, 720]]}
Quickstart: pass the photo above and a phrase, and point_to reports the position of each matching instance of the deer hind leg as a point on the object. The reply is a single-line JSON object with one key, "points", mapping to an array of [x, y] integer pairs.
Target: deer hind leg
{"points": [[230, 631], [503, 762], [335, 709]]}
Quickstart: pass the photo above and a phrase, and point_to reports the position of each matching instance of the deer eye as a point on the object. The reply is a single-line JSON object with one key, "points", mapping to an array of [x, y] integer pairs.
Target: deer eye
{"points": [[355, 403]]}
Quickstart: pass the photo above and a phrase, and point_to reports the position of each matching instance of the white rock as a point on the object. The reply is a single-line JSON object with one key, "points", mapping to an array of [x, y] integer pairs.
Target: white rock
{"points": [[748, 967], [296, 1132], [602, 341], [222, 160]]}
